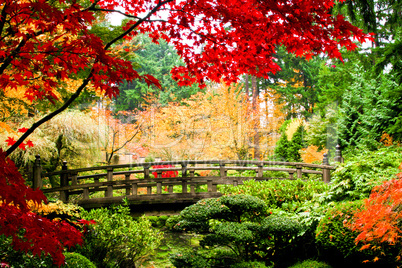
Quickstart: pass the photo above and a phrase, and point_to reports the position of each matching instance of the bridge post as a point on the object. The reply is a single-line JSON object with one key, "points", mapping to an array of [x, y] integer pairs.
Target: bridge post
{"points": [[37, 170], [338, 154], [134, 188], [183, 169], [299, 171], [222, 170], [64, 182], [260, 171], [159, 187], [109, 177], [326, 173], [210, 186], [146, 172]]}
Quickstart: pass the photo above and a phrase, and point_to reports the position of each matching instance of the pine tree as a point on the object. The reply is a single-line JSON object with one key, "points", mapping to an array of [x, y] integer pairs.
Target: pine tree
{"points": [[296, 143], [281, 149]]}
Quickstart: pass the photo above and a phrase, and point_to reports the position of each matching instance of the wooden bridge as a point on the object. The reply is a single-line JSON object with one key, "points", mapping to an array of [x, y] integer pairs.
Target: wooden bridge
{"points": [[105, 185]]}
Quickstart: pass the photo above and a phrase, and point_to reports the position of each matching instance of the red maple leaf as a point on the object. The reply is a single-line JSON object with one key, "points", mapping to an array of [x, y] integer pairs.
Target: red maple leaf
{"points": [[22, 146], [23, 130], [29, 143], [10, 141]]}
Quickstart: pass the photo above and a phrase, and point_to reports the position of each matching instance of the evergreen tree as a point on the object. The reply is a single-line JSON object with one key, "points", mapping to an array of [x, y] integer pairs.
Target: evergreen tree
{"points": [[281, 149], [296, 143], [157, 60]]}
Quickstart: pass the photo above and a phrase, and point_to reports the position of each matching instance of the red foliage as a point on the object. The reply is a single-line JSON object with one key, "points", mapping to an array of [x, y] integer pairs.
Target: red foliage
{"points": [[379, 222], [30, 232], [165, 174], [50, 41]]}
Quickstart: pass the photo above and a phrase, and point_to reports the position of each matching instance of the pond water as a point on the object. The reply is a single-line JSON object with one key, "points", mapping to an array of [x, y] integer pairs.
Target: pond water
{"points": [[172, 242]]}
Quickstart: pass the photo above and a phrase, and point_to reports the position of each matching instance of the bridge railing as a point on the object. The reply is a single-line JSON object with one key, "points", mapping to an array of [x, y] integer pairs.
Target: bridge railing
{"points": [[131, 178]]}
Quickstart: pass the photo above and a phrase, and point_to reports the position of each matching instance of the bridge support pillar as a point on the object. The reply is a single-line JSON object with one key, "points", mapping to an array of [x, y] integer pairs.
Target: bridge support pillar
{"points": [[192, 188], [326, 173]]}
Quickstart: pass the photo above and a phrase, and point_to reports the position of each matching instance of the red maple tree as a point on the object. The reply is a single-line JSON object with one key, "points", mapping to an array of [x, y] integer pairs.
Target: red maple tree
{"points": [[379, 223], [30, 232], [44, 39], [45, 42]]}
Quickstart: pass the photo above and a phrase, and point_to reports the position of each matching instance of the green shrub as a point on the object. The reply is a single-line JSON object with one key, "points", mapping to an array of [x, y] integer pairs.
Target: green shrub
{"points": [[188, 259], [248, 264], [228, 222], [361, 171], [275, 174], [117, 239], [76, 260], [172, 221], [335, 241], [310, 264], [285, 194], [236, 228]]}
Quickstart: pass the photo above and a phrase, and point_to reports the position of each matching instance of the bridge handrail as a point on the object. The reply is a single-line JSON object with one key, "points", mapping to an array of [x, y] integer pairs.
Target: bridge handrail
{"points": [[69, 179], [192, 162]]}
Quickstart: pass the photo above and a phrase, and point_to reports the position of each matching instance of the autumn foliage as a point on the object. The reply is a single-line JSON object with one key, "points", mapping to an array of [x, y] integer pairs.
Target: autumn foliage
{"points": [[379, 222], [29, 231], [45, 44], [165, 174]]}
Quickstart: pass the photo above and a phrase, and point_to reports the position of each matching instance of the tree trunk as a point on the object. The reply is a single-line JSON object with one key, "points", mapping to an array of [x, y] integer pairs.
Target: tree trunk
{"points": [[247, 88], [255, 105]]}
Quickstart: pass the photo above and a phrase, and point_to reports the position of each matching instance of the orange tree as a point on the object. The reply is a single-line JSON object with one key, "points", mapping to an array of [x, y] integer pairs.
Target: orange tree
{"points": [[219, 123], [215, 124], [51, 41], [379, 223]]}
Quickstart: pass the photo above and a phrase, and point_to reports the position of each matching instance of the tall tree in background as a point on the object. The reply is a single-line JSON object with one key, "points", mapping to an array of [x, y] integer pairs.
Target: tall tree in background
{"points": [[217, 124], [157, 60], [296, 83], [256, 107]]}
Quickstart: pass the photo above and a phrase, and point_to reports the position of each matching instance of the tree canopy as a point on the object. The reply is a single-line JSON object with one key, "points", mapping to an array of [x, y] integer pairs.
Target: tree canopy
{"points": [[44, 43]]}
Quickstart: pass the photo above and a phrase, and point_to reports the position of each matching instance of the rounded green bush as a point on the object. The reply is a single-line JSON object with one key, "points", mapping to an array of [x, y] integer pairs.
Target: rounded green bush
{"points": [[188, 259], [172, 221], [311, 264], [76, 260], [248, 264], [335, 241]]}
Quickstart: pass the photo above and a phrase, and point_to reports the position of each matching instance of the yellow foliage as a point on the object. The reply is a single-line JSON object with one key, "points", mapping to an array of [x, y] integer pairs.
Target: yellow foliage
{"points": [[218, 124], [311, 154], [292, 127], [386, 139], [5, 127], [58, 208]]}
